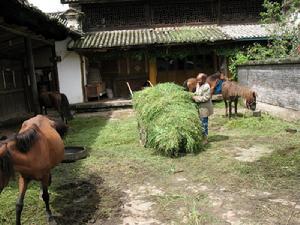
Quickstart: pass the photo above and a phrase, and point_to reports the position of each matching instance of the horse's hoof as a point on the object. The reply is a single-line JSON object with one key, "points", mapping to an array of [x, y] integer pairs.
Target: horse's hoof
{"points": [[51, 221]]}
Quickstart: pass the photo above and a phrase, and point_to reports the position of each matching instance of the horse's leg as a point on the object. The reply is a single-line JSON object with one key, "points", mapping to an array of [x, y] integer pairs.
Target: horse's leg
{"points": [[226, 108], [45, 184], [230, 107], [235, 106], [23, 183]]}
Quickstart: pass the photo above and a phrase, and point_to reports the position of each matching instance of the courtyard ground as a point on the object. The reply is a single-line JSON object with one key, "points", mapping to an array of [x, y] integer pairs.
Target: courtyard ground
{"points": [[248, 174]]}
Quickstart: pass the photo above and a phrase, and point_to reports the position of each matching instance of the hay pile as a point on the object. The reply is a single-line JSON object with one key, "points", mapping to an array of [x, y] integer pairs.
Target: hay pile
{"points": [[168, 119]]}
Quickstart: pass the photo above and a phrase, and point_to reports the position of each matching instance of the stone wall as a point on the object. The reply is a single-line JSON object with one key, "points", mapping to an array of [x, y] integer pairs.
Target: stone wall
{"points": [[276, 83]]}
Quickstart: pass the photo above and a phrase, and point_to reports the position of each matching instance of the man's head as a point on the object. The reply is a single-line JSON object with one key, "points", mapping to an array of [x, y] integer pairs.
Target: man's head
{"points": [[201, 78]]}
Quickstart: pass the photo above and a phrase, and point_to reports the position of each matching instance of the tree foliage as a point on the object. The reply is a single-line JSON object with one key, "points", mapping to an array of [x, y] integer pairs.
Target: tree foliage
{"points": [[282, 22]]}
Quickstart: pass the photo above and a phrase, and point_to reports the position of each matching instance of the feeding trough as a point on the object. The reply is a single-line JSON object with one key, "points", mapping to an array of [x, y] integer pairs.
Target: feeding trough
{"points": [[74, 153]]}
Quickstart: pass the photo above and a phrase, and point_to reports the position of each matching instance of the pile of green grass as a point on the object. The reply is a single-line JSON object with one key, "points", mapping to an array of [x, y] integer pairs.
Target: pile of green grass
{"points": [[168, 119]]}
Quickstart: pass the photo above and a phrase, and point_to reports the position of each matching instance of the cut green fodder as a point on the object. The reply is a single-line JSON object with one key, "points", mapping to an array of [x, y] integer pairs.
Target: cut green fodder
{"points": [[168, 119]]}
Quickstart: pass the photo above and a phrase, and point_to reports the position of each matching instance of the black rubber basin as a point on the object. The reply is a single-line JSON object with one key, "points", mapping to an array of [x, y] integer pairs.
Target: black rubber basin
{"points": [[74, 153]]}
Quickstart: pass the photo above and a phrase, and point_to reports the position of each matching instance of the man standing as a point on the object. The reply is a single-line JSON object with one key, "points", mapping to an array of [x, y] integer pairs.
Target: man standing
{"points": [[203, 97]]}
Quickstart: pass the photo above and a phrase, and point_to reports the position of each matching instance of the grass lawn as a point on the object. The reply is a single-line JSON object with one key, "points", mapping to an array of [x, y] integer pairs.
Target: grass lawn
{"points": [[121, 182]]}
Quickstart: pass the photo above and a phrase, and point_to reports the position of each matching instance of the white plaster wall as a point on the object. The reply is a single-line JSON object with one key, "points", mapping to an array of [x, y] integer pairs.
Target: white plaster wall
{"points": [[69, 72]]}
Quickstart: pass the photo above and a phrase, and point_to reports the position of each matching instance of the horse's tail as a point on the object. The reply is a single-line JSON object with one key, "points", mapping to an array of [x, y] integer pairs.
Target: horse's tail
{"points": [[65, 107], [6, 167]]}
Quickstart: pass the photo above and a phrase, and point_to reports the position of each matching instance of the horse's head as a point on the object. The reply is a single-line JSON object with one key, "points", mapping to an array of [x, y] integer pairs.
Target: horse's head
{"points": [[6, 167], [251, 101]]}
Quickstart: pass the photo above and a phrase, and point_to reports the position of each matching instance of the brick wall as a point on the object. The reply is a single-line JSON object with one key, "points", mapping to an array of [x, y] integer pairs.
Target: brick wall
{"points": [[277, 84]]}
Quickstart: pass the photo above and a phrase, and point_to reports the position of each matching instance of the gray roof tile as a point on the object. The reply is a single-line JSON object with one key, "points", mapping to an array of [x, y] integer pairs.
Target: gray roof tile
{"points": [[169, 35]]}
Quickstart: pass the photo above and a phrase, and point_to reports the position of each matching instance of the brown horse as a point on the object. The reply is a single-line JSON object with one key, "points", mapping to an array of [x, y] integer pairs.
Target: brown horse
{"points": [[58, 101], [33, 152], [191, 83], [213, 80], [231, 91]]}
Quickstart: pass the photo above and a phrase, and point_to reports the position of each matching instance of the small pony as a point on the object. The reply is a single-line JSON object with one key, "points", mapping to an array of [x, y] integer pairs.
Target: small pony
{"points": [[231, 91], [33, 152], [58, 101]]}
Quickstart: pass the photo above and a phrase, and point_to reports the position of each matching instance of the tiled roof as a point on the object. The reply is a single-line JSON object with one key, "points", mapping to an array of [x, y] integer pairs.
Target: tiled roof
{"points": [[58, 16], [249, 31], [168, 36], [30, 16]]}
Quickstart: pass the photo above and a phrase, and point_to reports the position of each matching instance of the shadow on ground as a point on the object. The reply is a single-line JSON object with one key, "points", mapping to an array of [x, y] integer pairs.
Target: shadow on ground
{"points": [[218, 138], [86, 201]]}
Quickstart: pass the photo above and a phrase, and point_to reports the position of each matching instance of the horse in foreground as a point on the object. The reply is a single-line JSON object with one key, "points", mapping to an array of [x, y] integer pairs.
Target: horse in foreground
{"points": [[231, 91], [32, 152], [58, 101]]}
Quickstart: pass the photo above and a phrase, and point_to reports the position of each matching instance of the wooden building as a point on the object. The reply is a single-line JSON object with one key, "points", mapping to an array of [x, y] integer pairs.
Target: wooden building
{"points": [[136, 40], [27, 57]]}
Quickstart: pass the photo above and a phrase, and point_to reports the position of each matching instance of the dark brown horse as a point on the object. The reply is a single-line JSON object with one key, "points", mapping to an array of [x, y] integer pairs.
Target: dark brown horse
{"points": [[33, 152], [191, 83], [231, 91], [214, 79], [58, 101]]}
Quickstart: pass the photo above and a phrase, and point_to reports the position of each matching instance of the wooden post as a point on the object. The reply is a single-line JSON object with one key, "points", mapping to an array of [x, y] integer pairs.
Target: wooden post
{"points": [[83, 77], [152, 70], [30, 63], [55, 72]]}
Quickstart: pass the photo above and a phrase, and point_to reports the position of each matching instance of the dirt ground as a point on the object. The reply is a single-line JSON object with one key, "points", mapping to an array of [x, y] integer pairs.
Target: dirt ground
{"points": [[223, 185], [178, 198]]}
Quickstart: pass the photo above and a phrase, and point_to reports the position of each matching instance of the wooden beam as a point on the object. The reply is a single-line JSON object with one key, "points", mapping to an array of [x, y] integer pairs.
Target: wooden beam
{"points": [[33, 83], [22, 31], [153, 70]]}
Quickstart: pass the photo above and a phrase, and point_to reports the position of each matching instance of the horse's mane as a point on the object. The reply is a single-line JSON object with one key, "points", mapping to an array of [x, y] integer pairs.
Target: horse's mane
{"points": [[185, 86], [27, 138], [214, 76], [6, 166], [232, 89], [6, 169]]}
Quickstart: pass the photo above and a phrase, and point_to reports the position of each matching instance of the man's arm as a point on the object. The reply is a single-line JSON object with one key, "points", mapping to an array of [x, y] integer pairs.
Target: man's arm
{"points": [[204, 96]]}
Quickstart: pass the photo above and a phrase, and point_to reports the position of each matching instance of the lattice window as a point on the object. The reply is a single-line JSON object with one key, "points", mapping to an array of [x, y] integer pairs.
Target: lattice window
{"points": [[241, 11], [113, 16], [184, 12]]}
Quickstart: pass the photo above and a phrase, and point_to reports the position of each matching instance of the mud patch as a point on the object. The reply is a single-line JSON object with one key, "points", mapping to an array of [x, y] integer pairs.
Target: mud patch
{"points": [[253, 153]]}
